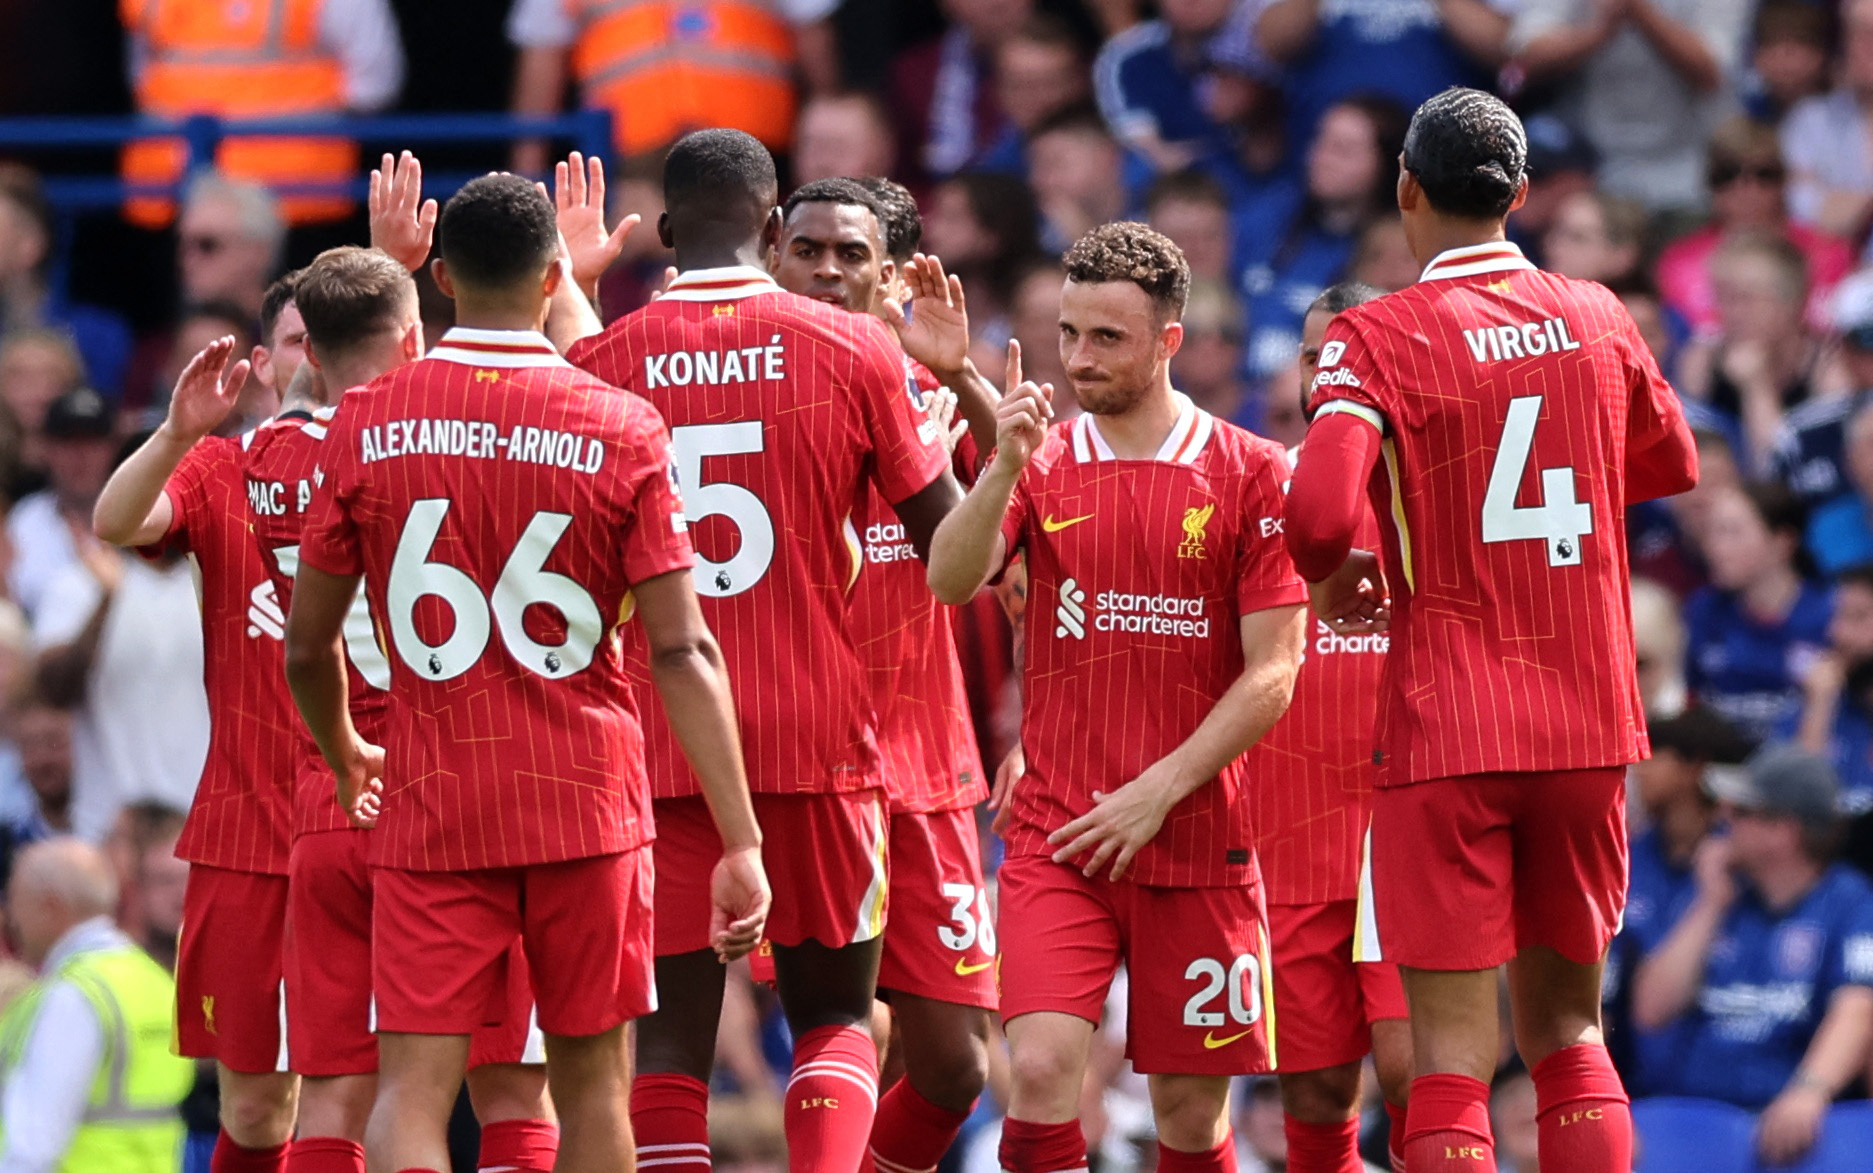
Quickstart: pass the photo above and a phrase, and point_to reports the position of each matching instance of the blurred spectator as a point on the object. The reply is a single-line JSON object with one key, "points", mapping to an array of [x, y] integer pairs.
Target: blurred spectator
{"points": [[986, 228], [1809, 454], [1208, 366], [37, 367], [1840, 532], [43, 734], [1512, 1118], [1352, 178], [109, 625], [1595, 237], [1747, 187], [161, 877], [1793, 42], [639, 270], [942, 91], [1678, 814], [141, 827], [199, 325], [1762, 359], [1647, 80], [87, 1080], [1151, 81], [663, 69], [1192, 209], [1770, 965], [78, 448], [305, 58], [1836, 717], [1659, 639], [1404, 49], [229, 243], [1034, 320], [1560, 163], [1756, 630], [1642, 301], [1384, 259], [839, 134], [1074, 169], [27, 297], [1828, 140], [1040, 71]]}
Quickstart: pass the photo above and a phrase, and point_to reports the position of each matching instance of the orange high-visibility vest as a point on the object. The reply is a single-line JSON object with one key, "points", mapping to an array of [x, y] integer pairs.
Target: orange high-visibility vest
{"points": [[237, 59], [667, 67]]}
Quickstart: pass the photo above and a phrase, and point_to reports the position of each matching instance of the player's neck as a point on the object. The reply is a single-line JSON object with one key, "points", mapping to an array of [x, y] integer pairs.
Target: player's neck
{"points": [[1439, 234], [1139, 433], [721, 255]]}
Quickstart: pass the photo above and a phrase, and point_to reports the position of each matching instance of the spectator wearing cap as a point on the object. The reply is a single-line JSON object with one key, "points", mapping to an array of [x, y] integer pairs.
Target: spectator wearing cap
{"points": [[1836, 717], [1646, 81], [1770, 969], [1840, 533], [1828, 140], [1153, 78], [1810, 451], [28, 296], [1560, 163], [1679, 813], [77, 448]]}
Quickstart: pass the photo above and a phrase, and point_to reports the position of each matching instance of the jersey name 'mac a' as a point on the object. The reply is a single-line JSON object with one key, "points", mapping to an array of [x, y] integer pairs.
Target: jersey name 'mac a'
{"points": [[1139, 573], [1508, 399]]}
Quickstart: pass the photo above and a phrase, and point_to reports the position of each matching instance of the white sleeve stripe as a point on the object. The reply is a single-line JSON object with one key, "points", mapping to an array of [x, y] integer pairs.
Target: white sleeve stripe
{"points": [[1357, 410]]}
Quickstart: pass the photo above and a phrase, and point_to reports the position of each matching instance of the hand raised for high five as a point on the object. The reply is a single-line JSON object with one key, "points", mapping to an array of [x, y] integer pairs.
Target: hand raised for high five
{"points": [[579, 198], [935, 331], [403, 223], [206, 391], [1022, 417]]}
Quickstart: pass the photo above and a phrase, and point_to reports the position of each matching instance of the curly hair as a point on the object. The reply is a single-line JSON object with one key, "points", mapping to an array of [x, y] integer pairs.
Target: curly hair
{"points": [[1469, 153], [1130, 251]]}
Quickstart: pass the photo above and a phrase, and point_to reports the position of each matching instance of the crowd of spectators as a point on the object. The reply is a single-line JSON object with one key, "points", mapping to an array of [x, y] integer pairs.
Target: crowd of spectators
{"points": [[1709, 160]]}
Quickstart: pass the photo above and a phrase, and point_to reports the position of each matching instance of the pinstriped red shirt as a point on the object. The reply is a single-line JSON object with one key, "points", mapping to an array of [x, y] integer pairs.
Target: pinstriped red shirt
{"points": [[781, 409], [1139, 573], [241, 819], [1508, 400], [500, 504]]}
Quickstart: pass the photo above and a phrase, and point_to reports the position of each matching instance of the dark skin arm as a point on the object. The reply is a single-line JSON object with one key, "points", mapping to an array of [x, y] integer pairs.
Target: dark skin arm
{"points": [[923, 511]]}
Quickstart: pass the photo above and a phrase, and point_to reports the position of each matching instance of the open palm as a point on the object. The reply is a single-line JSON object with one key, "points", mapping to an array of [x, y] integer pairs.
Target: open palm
{"points": [[579, 201], [935, 331], [206, 390]]}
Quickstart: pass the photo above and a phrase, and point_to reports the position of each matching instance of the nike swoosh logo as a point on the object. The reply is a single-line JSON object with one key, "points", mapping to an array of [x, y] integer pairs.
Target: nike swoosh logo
{"points": [[1053, 527], [964, 969], [1211, 1042]]}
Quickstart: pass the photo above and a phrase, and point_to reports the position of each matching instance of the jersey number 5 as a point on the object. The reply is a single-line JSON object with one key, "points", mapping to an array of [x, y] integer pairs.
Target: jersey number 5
{"points": [[1560, 521], [755, 529], [524, 582]]}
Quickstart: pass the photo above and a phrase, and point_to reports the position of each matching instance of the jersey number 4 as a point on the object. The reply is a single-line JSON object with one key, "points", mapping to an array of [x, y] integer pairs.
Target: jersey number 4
{"points": [[1560, 521], [753, 526]]}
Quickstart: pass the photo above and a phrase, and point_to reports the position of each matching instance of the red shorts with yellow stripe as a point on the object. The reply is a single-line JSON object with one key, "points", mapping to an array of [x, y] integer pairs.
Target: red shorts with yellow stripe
{"points": [[826, 860], [1326, 1000], [1196, 959], [940, 940]]}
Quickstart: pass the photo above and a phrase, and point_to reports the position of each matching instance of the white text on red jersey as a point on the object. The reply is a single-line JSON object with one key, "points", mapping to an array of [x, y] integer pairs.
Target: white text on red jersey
{"points": [[749, 364], [1528, 340], [479, 440]]}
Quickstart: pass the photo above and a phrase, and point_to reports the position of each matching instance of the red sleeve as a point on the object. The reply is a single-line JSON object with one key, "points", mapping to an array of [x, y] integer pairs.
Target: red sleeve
{"points": [[1661, 454], [1265, 574], [1328, 497], [188, 500], [329, 540], [906, 453], [656, 541]]}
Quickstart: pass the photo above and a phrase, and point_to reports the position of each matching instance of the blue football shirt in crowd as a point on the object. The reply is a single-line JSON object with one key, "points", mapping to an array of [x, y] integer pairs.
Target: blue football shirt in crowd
{"points": [[1850, 748], [1749, 670], [1657, 894], [1767, 985], [1840, 535]]}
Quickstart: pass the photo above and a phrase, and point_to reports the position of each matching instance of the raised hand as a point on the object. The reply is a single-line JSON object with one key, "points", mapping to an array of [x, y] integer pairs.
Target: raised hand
{"points": [[206, 391], [1021, 418], [936, 330], [403, 223], [579, 199]]}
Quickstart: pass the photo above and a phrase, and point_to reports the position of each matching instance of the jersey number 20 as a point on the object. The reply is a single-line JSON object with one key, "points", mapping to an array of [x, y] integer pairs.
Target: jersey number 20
{"points": [[1560, 521]]}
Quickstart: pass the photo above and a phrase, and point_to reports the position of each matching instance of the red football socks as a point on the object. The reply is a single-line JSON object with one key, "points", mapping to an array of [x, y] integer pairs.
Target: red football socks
{"points": [[911, 1134], [670, 1120], [1042, 1148], [325, 1154], [1221, 1159], [1581, 1112], [518, 1146], [232, 1158], [1322, 1148], [831, 1098], [1448, 1130], [1395, 1146]]}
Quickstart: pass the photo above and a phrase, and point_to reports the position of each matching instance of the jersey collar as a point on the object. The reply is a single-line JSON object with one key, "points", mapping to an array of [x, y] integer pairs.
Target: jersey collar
{"points": [[1188, 435], [730, 283], [511, 349], [1473, 260]]}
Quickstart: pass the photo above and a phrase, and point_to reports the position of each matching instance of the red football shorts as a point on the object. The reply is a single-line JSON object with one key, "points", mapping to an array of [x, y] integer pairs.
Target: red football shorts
{"points": [[1196, 959], [230, 970], [1467, 872], [825, 862], [331, 1017], [1326, 1002], [940, 940], [441, 945]]}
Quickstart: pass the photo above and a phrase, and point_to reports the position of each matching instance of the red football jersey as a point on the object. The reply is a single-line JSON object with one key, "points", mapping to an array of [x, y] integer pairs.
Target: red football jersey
{"points": [[908, 641], [1139, 573], [780, 408], [241, 819], [1310, 794], [500, 504], [281, 470], [1508, 399]]}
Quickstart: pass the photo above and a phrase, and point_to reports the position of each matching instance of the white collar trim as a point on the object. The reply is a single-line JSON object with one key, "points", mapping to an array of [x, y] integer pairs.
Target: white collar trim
{"points": [[730, 283], [1189, 434], [1472, 260], [508, 349]]}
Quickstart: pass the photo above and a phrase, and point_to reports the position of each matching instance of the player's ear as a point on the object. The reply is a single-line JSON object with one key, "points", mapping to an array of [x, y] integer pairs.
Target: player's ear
{"points": [[1409, 193], [439, 269], [411, 344], [770, 232], [549, 283], [663, 230], [311, 357], [261, 360], [1170, 340], [1521, 194]]}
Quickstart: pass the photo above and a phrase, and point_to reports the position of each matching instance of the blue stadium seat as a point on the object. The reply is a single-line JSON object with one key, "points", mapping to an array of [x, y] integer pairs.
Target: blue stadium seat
{"points": [[1846, 1144], [1693, 1136]]}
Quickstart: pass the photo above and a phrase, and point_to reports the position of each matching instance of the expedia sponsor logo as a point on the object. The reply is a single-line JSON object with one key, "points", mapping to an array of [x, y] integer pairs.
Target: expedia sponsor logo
{"points": [[1129, 614]]}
